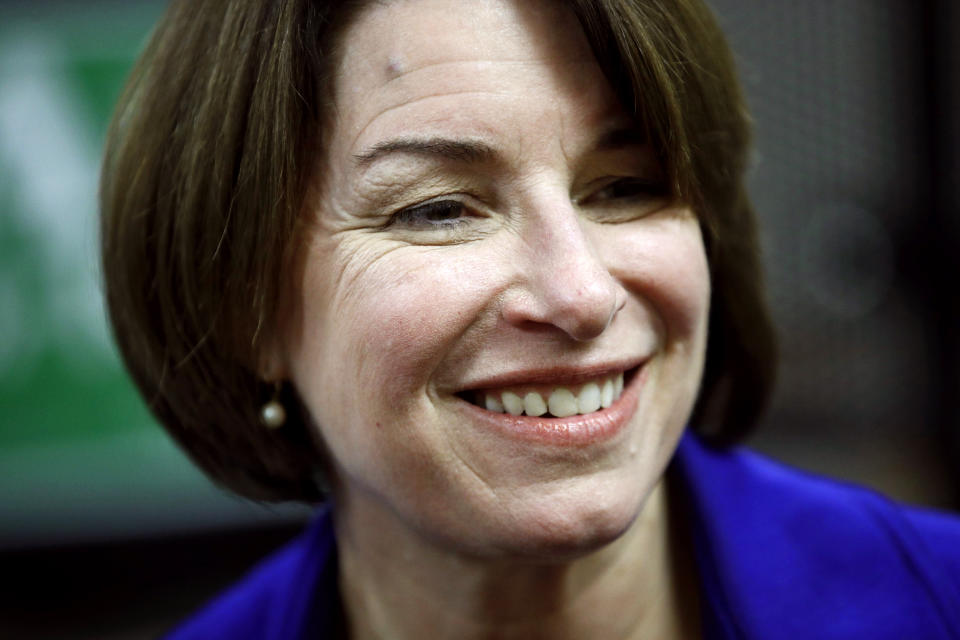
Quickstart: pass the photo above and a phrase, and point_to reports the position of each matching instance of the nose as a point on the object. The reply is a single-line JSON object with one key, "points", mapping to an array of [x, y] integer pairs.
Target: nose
{"points": [[564, 283]]}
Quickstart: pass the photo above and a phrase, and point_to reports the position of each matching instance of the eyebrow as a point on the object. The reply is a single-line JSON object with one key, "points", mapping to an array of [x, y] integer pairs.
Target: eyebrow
{"points": [[473, 151], [469, 151]]}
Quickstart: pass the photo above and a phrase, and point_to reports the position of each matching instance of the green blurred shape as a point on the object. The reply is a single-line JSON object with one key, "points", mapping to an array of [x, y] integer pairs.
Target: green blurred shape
{"points": [[59, 384]]}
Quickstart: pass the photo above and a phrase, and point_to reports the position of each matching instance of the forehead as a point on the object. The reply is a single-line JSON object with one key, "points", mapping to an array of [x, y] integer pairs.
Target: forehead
{"points": [[421, 32], [427, 59]]}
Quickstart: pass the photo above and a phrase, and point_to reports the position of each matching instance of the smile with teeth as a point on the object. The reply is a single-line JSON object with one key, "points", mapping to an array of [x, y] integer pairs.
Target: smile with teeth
{"points": [[557, 401]]}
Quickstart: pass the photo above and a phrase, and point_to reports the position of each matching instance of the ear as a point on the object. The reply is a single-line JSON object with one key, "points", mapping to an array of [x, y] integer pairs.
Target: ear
{"points": [[272, 362]]}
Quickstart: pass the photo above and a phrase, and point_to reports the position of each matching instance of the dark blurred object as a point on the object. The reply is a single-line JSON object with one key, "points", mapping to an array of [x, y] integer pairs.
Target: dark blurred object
{"points": [[857, 112]]}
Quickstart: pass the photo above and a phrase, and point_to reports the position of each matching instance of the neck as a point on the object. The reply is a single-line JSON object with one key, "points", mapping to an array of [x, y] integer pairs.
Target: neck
{"points": [[401, 586]]}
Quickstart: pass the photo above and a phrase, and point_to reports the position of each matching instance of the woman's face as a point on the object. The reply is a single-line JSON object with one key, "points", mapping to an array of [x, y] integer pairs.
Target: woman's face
{"points": [[491, 234]]}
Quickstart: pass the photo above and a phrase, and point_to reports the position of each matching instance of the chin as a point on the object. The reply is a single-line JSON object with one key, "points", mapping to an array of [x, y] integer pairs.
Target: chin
{"points": [[560, 528]]}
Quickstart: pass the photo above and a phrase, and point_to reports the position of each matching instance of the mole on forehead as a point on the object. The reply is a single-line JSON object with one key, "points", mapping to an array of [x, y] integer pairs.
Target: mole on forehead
{"points": [[396, 66]]}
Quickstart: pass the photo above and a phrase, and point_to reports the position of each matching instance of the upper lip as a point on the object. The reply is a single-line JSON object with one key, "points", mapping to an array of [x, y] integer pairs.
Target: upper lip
{"points": [[558, 375]]}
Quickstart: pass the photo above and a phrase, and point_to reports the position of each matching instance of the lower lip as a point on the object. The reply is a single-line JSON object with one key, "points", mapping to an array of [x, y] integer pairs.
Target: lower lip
{"points": [[575, 431]]}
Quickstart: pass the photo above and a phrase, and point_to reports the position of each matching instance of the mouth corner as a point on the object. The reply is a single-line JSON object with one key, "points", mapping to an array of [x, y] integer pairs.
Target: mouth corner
{"points": [[470, 396]]}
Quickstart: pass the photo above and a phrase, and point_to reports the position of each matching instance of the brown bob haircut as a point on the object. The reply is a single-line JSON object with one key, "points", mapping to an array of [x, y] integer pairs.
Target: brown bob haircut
{"points": [[208, 163]]}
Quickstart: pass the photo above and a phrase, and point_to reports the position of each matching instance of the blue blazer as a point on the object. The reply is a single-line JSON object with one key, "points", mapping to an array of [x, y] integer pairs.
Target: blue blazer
{"points": [[781, 554]]}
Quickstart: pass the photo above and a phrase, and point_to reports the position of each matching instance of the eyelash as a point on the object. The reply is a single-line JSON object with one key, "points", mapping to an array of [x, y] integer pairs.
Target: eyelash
{"points": [[639, 189], [424, 216]]}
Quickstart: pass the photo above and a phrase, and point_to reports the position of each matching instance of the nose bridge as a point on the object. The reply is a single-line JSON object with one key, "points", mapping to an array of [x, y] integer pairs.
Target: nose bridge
{"points": [[568, 284]]}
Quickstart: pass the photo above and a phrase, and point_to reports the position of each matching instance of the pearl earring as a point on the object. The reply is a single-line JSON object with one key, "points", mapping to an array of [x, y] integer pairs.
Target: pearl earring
{"points": [[272, 413]]}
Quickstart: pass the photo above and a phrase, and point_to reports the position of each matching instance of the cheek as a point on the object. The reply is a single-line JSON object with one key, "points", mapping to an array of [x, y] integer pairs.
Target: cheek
{"points": [[378, 319], [684, 288], [666, 266]]}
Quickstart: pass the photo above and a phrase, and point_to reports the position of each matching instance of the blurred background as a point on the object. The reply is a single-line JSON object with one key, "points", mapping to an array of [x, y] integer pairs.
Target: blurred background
{"points": [[106, 531]]}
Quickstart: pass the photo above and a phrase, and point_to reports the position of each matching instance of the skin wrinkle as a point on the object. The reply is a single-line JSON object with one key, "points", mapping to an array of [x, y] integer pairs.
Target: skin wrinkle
{"points": [[617, 136], [375, 199], [494, 67], [439, 65], [484, 483], [403, 105]]}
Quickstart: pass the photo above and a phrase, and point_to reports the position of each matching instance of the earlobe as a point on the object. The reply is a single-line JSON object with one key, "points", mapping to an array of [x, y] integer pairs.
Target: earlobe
{"points": [[272, 363]]}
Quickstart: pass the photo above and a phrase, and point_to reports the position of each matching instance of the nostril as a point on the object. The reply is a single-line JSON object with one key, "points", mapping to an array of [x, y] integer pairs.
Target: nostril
{"points": [[588, 314], [582, 315]]}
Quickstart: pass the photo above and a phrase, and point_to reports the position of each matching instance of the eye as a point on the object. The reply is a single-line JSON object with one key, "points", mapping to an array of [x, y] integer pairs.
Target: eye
{"points": [[631, 190], [623, 199], [439, 214]]}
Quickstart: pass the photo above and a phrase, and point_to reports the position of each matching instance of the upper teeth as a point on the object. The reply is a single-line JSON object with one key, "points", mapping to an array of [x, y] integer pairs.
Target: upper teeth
{"points": [[561, 401]]}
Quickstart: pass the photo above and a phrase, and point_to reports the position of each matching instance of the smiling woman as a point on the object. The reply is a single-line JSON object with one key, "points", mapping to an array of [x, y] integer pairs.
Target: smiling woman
{"points": [[479, 262], [544, 278]]}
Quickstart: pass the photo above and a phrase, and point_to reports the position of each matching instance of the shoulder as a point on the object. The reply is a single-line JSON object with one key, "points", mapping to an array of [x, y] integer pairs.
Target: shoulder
{"points": [[940, 532], [276, 599], [785, 547]]}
